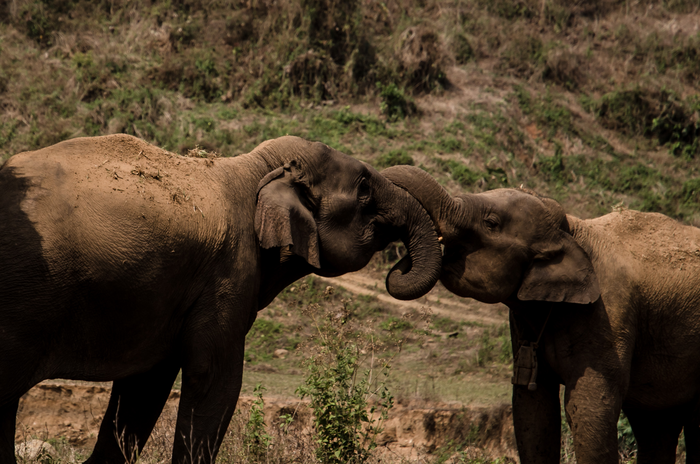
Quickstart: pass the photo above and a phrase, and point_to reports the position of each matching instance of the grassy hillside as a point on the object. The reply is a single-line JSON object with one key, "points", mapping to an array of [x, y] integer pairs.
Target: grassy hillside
{"points": [[594, 103]]}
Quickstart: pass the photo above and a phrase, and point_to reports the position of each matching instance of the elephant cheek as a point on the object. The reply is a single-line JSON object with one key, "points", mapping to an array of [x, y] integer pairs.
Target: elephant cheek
{"points": [[454, 277], [476, 280], [347, 254]]}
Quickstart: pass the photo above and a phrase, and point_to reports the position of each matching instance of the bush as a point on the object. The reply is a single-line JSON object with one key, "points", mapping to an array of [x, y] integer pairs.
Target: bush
{"points": [[257, 440], [463, 50], [421, 60], [394, 103], [651, 113], [339, 390]]}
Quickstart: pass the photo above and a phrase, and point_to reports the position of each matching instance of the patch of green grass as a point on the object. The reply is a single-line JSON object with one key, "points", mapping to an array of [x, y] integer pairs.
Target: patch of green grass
{"points": [[445, 324], [450, 145], [265, 337], [548, 113], [394, 158], [495, 345], [395, 324], [459, 172]]}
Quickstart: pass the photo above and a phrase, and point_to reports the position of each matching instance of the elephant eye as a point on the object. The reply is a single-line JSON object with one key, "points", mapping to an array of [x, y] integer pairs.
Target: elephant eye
{"points": [[363, 191], [492, 222]]}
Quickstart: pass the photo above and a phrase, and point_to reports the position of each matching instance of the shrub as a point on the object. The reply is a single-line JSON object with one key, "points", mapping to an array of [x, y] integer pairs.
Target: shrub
{"points": [[651, 113], [339, 390], [257, 440], [463, 50], [394, 103], [421, 59], [495, 345]]}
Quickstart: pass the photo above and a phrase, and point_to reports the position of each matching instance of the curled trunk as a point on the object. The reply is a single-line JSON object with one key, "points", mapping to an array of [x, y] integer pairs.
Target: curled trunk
{"points": [[415, 274], [441, 207]]}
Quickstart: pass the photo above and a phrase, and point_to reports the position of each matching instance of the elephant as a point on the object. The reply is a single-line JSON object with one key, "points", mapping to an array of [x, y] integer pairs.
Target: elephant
{"points": [[607, 307], [123, 262]]}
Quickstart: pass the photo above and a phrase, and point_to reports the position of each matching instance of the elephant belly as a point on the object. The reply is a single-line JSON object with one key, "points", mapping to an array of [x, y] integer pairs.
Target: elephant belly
{"points": [[657, 385]]}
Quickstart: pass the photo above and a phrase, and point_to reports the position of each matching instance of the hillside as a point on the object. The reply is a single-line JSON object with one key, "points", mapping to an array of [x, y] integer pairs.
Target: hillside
{"points": [[594, 103]]}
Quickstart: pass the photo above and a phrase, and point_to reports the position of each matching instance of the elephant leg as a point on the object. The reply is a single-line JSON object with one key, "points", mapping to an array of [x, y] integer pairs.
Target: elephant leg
{"points": [[211, 383], [692, 443], [8, 419], [133, 410], [592, 409], [656, 433], [537, 423]]}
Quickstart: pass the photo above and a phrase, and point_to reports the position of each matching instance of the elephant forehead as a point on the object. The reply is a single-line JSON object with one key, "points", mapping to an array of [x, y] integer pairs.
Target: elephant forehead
{"points": [[341, 175], [508, 198], [340, 205]]}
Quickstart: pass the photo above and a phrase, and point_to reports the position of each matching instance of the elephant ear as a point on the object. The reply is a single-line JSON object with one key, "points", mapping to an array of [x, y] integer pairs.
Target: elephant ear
{"points": [[562, 272], [282, 216]]}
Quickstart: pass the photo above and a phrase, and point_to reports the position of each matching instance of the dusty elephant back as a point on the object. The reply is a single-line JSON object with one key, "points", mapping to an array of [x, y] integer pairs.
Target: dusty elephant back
{"points": [[124, 165], [118, 182], [652, 240]]}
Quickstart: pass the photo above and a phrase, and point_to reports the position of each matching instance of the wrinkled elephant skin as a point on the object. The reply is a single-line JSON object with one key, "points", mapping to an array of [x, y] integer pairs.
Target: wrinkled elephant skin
{"points": [[121, 261], [614, 302]]}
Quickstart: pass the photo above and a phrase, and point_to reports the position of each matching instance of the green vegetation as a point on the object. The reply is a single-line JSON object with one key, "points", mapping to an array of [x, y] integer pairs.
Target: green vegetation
{"points": [[265, 337], [340, 389], [225, 76], [256, 438], [393, 158]]}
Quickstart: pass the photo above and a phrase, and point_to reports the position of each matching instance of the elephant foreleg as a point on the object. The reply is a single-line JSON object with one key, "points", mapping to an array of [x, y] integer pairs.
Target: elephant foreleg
{"points": [[133, 410], [692, 443], [537, 423], [209, 395], [657, 434], [592, 408], [8, 418]]}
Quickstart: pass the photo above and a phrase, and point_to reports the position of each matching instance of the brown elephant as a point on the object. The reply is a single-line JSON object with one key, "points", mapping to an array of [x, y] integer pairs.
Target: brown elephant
{"points": [[607, 307], [121, 261]]}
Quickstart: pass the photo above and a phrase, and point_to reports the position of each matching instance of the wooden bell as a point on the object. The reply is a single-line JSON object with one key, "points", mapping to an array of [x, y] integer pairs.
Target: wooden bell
{"points": [[525, 367]]}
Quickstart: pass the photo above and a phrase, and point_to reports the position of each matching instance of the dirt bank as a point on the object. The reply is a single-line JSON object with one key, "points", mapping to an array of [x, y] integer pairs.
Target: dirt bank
{"points": [[74, 411]]}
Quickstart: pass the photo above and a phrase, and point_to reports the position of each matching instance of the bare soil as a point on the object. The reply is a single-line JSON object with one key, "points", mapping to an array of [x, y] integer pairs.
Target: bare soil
{"points": [[74, 411]]}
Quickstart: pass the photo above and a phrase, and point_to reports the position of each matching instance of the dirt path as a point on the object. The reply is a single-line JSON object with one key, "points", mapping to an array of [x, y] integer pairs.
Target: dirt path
{"points": [[439, 300]]}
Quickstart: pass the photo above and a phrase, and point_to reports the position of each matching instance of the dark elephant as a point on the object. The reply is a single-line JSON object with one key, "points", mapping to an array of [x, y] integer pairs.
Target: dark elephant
{"points": [[607, 307], [121, 261]]}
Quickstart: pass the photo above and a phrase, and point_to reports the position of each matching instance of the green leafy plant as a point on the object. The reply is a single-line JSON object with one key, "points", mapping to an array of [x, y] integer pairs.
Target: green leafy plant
{"points": [[495, 345], [340, 389], [257, 440], [460, 173], [625, 437]]}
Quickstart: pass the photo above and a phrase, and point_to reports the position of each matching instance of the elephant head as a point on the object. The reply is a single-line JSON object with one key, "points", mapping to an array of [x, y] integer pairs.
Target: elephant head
{"points": [[503, 245], [335, 212]]}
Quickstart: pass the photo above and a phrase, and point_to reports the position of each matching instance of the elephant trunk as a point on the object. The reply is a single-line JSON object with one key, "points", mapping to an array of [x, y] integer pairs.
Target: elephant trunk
{"points": [[442, 208], [416, 273]]}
